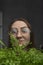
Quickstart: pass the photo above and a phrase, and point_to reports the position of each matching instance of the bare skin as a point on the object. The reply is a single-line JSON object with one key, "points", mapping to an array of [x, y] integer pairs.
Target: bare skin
{"points": [[21, 32]]}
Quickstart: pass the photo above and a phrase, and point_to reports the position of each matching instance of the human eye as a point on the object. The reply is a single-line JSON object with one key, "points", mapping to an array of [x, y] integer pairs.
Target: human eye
{"points": [[14, 31], [25, 30]]}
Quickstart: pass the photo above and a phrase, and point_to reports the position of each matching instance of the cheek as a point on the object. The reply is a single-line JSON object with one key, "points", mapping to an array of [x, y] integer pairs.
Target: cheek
{"points": [[27, 36]]}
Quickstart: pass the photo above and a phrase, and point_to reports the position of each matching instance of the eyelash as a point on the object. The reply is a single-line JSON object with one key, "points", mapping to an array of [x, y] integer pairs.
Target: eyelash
{"points": [[13, 31], [23, 31]]}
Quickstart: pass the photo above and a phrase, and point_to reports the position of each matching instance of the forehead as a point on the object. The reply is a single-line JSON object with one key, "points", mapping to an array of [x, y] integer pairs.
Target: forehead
{"points": [[19, 24]]}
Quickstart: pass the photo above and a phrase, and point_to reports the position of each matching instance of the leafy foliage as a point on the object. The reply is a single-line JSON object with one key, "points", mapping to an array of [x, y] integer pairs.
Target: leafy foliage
{"points": [[17, 56]]}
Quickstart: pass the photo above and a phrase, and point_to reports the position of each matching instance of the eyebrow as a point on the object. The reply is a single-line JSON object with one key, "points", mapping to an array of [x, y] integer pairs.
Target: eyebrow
{"points": [[24, 27], [20, 27]]}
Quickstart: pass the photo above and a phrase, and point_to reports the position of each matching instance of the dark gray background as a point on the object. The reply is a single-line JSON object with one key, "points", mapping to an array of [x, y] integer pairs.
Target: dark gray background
{"points": [[30, 9]]}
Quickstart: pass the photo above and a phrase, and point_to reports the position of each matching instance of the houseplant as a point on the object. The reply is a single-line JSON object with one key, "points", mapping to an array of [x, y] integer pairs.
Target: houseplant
{"points": [[17, 56]]}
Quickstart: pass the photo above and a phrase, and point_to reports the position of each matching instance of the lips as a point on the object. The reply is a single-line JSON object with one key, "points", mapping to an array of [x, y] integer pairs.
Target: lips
{"points": [[21, 41]]}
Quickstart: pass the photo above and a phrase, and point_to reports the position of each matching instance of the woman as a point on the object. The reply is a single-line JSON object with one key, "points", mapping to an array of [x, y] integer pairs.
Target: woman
{"points": [[21, 29]]}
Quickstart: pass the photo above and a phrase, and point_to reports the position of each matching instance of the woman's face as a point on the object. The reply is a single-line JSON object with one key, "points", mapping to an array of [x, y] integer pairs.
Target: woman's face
{"points": [[21, 32]]}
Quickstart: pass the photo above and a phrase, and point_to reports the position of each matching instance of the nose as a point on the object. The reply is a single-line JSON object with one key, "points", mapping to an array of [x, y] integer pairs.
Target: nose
{"points": [[19, 34]]}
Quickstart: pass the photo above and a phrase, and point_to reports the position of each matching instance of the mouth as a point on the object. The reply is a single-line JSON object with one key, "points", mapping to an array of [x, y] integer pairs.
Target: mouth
{"points": [[21, 42], [21, 39]]}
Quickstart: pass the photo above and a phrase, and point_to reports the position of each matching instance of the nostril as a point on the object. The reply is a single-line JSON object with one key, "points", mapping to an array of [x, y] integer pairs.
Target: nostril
{"points": [[18, 38]]}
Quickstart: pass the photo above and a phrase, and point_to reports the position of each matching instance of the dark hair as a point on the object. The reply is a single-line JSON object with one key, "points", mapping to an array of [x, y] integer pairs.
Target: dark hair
{"points": [[20, 19], [29, 26]]}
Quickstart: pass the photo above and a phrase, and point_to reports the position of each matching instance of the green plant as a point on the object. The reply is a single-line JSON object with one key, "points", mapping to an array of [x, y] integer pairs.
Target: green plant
{"points": [[17, 56]]}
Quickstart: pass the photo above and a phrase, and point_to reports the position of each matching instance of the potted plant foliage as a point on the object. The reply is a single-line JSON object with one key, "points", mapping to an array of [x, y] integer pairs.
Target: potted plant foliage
{"points": [[17, 56]]}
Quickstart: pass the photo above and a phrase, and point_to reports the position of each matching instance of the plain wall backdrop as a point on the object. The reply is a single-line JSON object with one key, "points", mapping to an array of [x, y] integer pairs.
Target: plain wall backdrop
{"points": [[32, 10]]}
